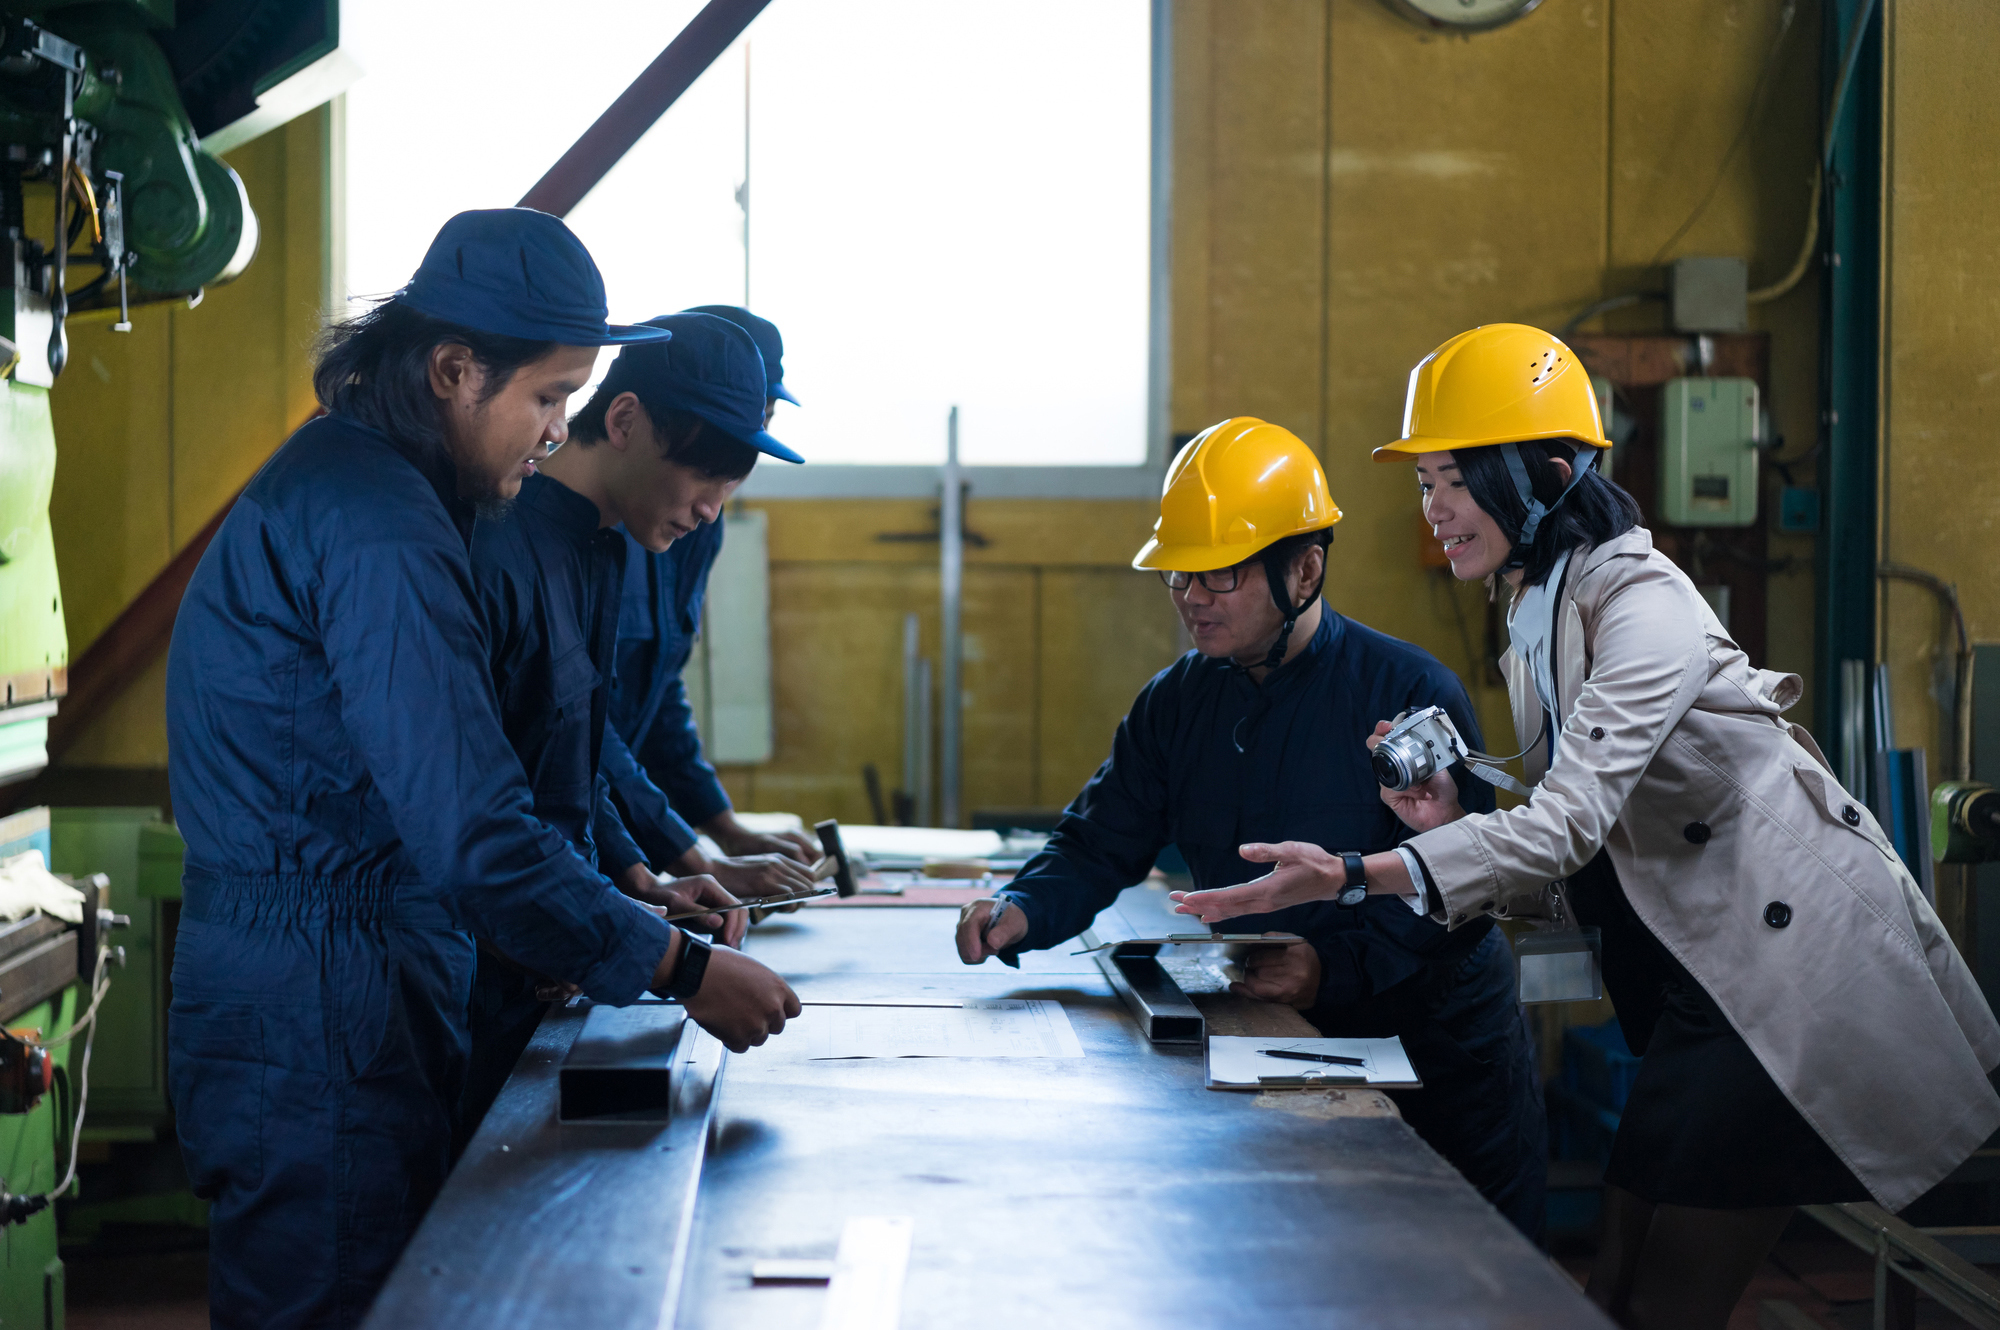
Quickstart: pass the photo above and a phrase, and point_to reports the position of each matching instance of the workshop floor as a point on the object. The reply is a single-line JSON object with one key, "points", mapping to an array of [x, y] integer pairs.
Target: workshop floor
{"points": [[137, 1290], [1831, 1283]]}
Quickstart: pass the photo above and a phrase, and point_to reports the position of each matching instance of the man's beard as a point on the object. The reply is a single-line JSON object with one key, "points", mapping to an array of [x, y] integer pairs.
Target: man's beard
{"points": [[482, 491]]}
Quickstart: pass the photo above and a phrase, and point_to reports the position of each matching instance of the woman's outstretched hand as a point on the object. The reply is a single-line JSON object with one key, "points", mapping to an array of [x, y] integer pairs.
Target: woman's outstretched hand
{"points": [[1304, 873], [1422, 807]]}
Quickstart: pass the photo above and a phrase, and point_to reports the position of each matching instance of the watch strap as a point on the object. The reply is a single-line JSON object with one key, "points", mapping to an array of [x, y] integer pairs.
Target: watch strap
{"points": [[689, 973], [1355, 887]]}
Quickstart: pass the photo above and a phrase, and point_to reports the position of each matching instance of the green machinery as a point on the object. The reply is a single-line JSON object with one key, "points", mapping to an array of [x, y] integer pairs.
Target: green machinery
{"points": [[104, 111], [112, 196], [1965, 822]]}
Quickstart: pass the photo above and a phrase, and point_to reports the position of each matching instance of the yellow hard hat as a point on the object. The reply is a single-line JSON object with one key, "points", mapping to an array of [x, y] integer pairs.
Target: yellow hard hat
{"points": [[1500, 383], [1236, 488]]}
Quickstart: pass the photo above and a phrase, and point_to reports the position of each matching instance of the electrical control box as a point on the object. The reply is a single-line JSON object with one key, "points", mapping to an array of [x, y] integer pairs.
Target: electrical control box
{"points": [[1708, 295], [1710, 432]]}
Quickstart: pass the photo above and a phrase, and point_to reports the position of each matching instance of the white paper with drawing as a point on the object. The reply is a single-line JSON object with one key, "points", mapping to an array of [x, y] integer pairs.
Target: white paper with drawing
{"points": [[1239, 1062], [1000, 1028]]}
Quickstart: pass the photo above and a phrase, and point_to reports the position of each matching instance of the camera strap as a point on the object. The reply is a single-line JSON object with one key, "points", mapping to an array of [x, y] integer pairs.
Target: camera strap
{"points": [[1487, 767]]}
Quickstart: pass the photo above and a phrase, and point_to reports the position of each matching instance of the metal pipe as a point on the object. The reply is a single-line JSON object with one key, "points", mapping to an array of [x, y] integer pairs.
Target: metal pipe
{"points": [[602, 146], [916, 720], [951, 570]]}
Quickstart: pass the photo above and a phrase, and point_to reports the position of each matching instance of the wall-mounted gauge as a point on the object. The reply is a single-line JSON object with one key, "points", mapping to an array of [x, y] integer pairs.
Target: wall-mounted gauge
{"points": [[1461, 15]]}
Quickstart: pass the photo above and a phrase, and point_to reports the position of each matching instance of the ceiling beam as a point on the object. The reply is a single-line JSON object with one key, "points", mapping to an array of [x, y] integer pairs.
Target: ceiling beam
{"points": [[707, 35]]}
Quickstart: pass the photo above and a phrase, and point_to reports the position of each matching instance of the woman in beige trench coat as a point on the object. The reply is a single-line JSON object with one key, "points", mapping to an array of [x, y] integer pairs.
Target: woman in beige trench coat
{"points": [[1810, 1033]]}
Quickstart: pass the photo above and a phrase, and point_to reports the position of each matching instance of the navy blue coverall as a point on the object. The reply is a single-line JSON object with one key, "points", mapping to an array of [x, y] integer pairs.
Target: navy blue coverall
{"points": [[354, 816], [659, 616], [548, 581], [1176, 776]]}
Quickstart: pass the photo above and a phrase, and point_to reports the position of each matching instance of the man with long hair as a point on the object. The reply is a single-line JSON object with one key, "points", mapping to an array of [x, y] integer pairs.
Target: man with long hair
{"points": [[354, 816]]}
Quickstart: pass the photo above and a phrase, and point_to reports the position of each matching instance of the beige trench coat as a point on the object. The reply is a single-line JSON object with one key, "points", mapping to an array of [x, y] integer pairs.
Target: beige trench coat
{"points": [[1675, 757]]}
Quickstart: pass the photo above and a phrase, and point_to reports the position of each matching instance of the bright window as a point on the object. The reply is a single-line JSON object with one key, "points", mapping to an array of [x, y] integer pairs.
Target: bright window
{"points": [[947, 203]]}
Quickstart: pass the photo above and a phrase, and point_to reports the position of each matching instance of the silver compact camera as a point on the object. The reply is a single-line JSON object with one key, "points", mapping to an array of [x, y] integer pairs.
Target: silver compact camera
{"points": [[1418, 746]]}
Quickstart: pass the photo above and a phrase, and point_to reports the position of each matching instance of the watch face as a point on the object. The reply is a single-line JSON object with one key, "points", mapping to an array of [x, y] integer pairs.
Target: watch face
{"points": [[1352, 896], [1462, 15]]}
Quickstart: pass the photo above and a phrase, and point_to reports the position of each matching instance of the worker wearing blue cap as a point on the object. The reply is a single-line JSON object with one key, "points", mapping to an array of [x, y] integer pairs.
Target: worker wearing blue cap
{"points": [[656, 631], [354, 815], [645, 465]]}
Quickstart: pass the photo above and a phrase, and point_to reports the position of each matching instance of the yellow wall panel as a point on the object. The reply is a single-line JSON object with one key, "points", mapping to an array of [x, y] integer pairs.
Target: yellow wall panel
{"points": [[1004, 531], [158, 428], [109, 508], [837, 684], [131, 731], [1941, 378], [1104, 633]]}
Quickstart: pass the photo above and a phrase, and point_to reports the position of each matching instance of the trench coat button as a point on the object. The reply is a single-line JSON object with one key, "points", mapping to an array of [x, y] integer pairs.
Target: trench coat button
{"points": [[1697, 833], [1597, 732], [1851, 815], [1777, 914]]}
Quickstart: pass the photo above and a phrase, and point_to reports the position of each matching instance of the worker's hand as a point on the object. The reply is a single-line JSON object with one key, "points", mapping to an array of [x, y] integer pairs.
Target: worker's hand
{"points": [[692, 893], [1422, 807], [973, 943], [737, 839], [1304, 873], [676, 895], [1281, 974], [741, 1002], [762, 875]]}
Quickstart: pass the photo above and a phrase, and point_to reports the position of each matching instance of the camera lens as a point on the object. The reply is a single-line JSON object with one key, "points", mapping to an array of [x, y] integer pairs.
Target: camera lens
{"points": [[1388, 770]]}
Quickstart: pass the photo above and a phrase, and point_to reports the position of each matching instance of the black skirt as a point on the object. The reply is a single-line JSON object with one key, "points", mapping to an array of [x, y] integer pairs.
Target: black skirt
{"points": [[1705, 1124]]}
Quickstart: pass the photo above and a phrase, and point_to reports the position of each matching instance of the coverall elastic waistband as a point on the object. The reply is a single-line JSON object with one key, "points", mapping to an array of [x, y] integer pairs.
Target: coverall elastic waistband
{"points": [[243, 900]]}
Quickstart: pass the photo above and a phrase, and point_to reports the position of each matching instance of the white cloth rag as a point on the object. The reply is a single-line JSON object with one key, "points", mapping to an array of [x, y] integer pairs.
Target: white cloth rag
{"points": [[27, 885]]}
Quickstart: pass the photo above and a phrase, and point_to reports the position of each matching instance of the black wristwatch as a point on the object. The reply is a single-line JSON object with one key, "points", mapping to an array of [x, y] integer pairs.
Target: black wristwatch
{"points": [[1355, 890], [688, 974]]}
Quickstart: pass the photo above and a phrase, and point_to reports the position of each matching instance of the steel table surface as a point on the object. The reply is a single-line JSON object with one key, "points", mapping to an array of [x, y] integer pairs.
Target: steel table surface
{"points": [[1107, 1191]]}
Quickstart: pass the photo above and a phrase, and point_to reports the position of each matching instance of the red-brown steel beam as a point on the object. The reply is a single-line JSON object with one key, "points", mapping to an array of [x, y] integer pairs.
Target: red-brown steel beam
{"points": [[707, 35]]}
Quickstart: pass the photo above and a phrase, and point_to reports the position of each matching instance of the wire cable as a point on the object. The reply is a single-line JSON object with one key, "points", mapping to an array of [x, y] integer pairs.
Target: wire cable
{"points": [[1785, 17], [1849, 58], [82, 1022]]}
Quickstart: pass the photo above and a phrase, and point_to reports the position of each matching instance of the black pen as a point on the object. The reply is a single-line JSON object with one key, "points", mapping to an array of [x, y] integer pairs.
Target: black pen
{"points": [[1313, 1057], [1000, 904]]}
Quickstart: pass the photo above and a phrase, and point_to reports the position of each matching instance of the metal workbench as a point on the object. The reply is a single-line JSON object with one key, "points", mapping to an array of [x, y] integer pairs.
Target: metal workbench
{"points": [[1109, 1191]]}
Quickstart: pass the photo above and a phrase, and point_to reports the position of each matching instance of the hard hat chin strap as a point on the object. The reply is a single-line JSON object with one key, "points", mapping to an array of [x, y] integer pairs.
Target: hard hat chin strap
{"points": [[1537, 510], [1275, 569]]}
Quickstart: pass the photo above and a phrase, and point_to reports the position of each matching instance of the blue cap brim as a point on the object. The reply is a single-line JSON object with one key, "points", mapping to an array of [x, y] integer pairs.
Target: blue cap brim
{"points": [[764, 443], [783, 394], [626, 334]]}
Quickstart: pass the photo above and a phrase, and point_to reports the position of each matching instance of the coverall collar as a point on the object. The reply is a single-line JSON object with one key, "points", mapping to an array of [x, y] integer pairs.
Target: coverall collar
{"points": [[571, 513], [433, 464]]}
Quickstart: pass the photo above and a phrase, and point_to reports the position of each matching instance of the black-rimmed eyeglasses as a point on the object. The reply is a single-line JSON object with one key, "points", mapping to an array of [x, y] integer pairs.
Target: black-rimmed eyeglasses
{"points": [[1217, 580]]}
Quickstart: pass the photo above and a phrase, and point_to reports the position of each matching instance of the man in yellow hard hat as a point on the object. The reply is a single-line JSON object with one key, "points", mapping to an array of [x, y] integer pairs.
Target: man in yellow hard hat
{"points": [[1251, 749]]}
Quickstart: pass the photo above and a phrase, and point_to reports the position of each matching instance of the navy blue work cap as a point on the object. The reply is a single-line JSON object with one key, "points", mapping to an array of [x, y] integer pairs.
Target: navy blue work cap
{"points": [[769, 345], [711, 369], [518, 273]]}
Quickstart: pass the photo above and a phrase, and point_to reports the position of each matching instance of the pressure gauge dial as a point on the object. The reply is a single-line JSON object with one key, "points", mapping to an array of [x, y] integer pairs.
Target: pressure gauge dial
{"points": [[1461, 15]]}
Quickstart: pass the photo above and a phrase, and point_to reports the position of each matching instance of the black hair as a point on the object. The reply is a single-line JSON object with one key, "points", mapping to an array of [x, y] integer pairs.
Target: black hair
{"points": [[1278, 556], [376, 367], [686, 439], [1595, 510]]}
